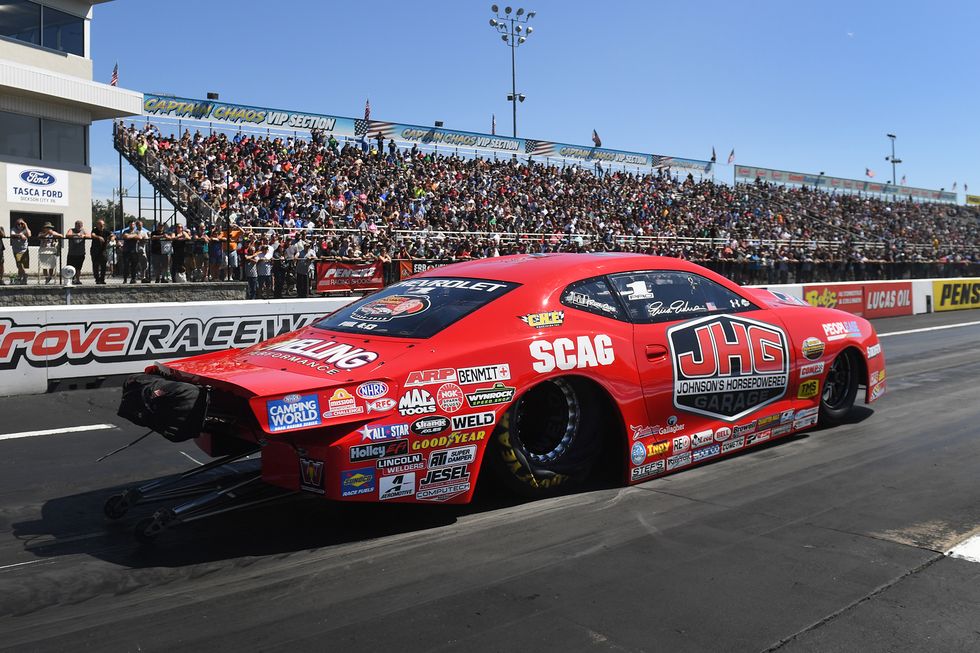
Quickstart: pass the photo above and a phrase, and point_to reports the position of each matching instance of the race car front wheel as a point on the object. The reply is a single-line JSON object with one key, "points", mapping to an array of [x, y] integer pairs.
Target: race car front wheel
{"points": [[840, 388], [549, 440]]}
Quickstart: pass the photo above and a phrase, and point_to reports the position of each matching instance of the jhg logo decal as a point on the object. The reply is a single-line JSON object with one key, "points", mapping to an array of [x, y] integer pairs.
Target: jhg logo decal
{"points": [[727, 366]]}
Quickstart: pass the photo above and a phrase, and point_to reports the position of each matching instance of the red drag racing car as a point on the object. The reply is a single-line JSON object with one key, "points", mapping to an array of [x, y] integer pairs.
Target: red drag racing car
{"points": [[537, 369]]}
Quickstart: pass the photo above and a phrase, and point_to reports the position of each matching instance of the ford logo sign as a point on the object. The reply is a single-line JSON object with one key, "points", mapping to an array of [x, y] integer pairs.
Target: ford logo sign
{"points": [[37, 177]]}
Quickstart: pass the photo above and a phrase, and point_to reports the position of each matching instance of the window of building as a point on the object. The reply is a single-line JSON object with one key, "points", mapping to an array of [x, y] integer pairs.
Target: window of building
{"points": [[20, 135], [62, 142], [33, 23]]}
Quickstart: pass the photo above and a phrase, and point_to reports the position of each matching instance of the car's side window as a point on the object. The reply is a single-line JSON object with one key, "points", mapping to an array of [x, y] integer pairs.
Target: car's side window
{"points": [[593, 296], [664, 296]]}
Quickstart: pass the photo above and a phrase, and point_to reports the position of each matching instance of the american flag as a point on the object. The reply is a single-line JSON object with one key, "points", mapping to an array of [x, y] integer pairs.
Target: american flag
{"points": [[869, 172], [596, 139], [493, 124], [714, 158], [903, 180], [114, 80], [367, 109], [954, 185], [731, 157]]}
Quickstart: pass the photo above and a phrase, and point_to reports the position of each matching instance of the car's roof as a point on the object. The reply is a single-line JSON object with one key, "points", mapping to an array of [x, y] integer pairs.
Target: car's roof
{"points": [[563, 268]]}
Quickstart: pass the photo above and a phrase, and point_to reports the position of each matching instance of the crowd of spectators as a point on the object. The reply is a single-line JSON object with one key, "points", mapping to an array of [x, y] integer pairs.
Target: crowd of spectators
{"points": [[368, 199]]}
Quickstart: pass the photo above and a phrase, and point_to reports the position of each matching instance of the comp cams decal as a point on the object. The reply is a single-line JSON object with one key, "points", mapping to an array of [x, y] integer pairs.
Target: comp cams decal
{"points": [[728, 366], [568, 354]]}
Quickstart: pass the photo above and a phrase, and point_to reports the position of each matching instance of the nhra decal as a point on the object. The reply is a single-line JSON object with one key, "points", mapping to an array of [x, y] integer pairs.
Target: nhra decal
{"points": [[430, 377], [311, 475], [323, 355], [372, 390], [393, 487], [354, 482], [498, 394], [383, 432], [293, 412], [543, 320], [484, 374], [566, 354], [416, 402], [122, 340], [727, 366]]}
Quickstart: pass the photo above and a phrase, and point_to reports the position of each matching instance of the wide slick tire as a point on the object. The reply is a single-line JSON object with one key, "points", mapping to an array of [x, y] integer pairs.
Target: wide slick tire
{"points": [[840, 388], [548, 442]]}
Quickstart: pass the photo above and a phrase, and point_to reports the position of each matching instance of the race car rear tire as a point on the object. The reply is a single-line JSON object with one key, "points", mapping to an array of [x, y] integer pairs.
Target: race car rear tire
{"points": [[840, 388], [548, 442]]}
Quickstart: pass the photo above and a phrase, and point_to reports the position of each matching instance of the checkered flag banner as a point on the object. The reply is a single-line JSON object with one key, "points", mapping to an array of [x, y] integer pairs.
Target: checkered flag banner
{"points": [[361, 127]]}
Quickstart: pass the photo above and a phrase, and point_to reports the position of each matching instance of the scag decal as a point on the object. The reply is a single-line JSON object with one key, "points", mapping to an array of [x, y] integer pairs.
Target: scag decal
{"points": [[293, 412], [568, 354], [728, 366]]}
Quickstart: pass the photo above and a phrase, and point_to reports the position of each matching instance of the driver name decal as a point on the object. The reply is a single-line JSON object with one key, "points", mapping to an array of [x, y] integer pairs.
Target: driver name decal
{"points": [[727, 366]]}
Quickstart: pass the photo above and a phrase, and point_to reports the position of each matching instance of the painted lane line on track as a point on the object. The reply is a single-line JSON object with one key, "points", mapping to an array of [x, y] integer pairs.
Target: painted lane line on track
{"points": [[70, 429], [968, 549], [932, 328], [21, 564]]}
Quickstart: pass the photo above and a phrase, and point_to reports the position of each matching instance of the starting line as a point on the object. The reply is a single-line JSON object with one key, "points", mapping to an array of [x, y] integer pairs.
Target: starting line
{"points": [[70, 429]]}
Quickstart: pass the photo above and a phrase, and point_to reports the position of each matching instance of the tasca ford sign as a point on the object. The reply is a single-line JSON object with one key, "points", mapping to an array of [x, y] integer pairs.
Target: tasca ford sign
{"points": [[32, 185], [728, 366]]}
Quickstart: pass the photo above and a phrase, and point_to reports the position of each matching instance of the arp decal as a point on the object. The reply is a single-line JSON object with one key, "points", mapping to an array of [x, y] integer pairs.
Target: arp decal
{"points": [[430, 377], [311, 475], [543, 320], [568, 354], [808, 389], [728, 366], [293, 412]]}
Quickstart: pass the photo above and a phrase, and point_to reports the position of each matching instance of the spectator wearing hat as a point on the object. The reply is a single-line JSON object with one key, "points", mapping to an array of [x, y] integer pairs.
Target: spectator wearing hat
{"points": [[48, 251], [76, 249], [19, 236]]}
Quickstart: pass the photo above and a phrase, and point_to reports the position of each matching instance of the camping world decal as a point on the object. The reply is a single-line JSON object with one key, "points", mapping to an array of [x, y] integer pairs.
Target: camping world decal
{"points": [[728, 366]]}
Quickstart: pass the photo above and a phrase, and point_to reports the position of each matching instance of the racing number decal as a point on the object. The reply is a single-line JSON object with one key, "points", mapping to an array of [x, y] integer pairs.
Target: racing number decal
{"points": [[727, 366]]}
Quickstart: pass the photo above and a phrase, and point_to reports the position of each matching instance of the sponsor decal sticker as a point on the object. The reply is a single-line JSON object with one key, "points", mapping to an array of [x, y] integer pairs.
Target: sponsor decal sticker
{"points": [[399, 464], [372, 390], [807, 412], [451, 457], [806, 422], [874, 350], [878, 391], [444, 476], [877, 376], [584, 301], [647, 431], [449, 397], [496, 394], [416, 402], [380, 433], [658, 448], [742, 429], [483, 374], [638, 453], [702, 438], [647, 470], [391, 307], [813, 369], [361, 452], [732, 445], [841, 330], [354, 482], [450, 440], [812, 348], [394, 487], [293, 412], [680, 460], [723, 434], [760, 436], [568, 354], [430, 377], [544, 320], [342, 403], [808, 389], [473, 421], [768, 419], [311, 475], [786, 416], [430, 425], [382, 405], [680, 443], [443, 493], [727, 366], [706, 452], [782, 429], [322, 355]]}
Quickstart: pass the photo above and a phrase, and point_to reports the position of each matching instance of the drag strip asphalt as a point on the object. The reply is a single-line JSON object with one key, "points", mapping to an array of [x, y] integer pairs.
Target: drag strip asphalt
{"points": [[833, 540]]}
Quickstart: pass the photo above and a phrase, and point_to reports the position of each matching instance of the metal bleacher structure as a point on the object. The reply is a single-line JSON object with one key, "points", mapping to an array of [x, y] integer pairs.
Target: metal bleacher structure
{"points": [[184, 201]]}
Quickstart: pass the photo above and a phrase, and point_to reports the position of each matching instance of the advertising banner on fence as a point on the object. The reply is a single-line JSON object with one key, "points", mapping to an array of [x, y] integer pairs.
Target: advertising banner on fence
{"points": [[751, 173], [955, 295], [38, 345], [332, 276], [844, 297], [887, 299], [241, 114], [973, 200], [38, 186], [407, 269]]}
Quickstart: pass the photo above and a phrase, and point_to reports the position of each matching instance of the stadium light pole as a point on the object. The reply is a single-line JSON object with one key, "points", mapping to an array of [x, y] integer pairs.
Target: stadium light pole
{"points": [[514, 32], [892, 157]]}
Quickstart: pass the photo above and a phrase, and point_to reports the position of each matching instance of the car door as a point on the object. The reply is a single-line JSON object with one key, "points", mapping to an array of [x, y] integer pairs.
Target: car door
{"points": [[710, 361]]}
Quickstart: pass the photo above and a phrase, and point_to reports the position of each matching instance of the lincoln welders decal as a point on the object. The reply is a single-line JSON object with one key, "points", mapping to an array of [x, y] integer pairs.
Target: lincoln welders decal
{"points": [[727, 366], [123, 340]]}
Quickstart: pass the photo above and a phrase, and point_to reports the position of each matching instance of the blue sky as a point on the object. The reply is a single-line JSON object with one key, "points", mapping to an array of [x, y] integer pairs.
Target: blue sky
{"points": [[806, 87]]}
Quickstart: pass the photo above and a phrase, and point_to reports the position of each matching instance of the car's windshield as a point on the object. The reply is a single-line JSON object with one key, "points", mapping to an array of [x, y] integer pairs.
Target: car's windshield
{"points": [[416, 308]]}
